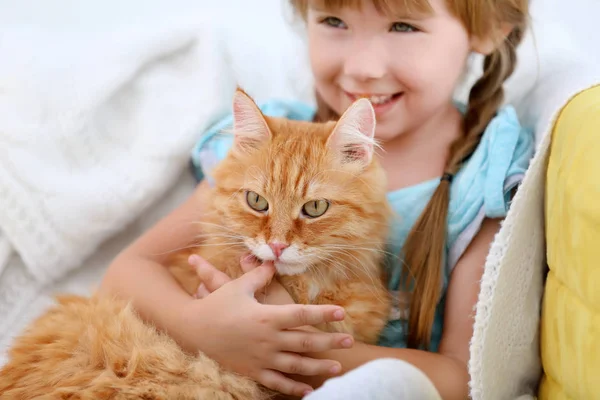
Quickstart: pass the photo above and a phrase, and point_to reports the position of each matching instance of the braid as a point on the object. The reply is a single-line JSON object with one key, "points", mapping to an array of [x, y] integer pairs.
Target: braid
{"points": [[485, 98], [425, 245]]}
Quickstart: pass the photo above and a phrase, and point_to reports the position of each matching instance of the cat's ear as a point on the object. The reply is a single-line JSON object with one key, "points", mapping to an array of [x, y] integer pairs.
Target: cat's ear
{"points": [[353, 135], [249, 125]]}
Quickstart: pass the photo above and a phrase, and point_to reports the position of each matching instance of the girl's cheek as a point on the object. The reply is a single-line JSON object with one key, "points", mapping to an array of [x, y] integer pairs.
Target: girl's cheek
{"points": [[324, 61]]}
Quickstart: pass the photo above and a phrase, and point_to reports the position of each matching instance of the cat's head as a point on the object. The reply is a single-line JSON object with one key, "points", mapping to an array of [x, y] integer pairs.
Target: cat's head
{"points": [[302, 193]]}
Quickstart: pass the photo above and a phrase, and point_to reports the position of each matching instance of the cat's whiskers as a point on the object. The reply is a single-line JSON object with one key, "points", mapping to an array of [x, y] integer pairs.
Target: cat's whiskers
{"points": [[185, 225], [339, 262], [333, 263], [175, 250], [345, 252], [227, 231], [371, 288], [352, 247], [220, 244], [225, 228], [319, 271], [342, 268], [208, 259], [207, 236], [396, 257], [197, 245], [219, 235], [360, 264]]}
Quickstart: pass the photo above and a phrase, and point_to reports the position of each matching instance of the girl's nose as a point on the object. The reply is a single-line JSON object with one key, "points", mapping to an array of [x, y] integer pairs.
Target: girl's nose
{"points": [[366, 60]]}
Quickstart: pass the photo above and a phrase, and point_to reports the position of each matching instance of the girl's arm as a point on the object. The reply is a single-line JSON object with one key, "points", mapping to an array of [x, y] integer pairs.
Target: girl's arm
{"points": [[447, 369], [138, 273]]}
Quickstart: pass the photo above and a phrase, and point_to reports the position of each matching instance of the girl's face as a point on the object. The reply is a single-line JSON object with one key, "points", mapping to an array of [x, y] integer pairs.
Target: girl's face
{"points": [[407, 66]]}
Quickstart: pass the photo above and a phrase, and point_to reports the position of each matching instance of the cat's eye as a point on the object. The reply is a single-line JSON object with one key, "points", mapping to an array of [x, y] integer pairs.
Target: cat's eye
{"points": [[315, 208], [256, 201]]}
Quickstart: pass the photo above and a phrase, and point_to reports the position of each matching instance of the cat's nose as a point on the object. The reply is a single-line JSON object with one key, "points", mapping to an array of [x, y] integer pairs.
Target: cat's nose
{"points": [[278, 248]]}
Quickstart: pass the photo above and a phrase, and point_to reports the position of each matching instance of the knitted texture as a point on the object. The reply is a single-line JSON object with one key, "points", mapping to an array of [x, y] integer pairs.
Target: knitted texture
{"points": [[505, 339]]}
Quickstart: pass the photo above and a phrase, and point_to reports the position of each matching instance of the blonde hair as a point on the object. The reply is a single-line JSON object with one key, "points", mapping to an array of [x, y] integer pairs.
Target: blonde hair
{"points": [[424, 248]]}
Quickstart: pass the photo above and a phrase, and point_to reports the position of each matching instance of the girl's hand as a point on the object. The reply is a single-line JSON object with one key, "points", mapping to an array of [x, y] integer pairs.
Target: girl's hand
{"points": [[260, 340], [213, 279]]}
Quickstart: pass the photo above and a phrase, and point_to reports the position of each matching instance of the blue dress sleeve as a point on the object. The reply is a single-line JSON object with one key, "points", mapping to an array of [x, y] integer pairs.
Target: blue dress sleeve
{"points": [[482, 188], [215, 142], [510, 149]]}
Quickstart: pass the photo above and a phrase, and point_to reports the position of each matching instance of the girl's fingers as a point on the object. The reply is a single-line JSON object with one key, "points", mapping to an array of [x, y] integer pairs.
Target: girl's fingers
{"points": [[291, 316], [299, 341], [278, 382], [212, 278], [249, 262], [202, 292], [290, 363], [256, 279]]}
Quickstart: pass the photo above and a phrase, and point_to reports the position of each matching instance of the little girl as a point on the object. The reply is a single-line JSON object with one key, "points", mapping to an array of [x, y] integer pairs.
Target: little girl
{"points": [[451, 172]]}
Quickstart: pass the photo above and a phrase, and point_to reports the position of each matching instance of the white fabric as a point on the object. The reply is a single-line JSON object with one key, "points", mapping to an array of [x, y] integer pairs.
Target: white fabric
{"points": [[382, 379], [81, 81]]}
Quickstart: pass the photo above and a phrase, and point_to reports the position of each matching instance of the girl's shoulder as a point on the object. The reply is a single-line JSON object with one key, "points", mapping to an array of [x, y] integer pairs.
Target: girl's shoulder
{"points": [[484, 186], [215, 141]]}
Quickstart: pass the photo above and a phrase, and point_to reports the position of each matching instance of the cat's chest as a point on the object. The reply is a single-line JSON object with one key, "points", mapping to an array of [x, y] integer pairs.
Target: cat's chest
{"points": [[306, 289], [314, 289]]}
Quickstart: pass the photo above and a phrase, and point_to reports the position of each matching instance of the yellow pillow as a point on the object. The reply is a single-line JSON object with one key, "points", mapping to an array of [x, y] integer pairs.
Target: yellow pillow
{"points": [[570, 331]]}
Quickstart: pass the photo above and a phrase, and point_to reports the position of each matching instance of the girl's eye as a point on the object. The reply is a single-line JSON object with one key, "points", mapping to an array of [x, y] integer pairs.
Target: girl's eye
{"points": [[333, 22], [402, 27]]}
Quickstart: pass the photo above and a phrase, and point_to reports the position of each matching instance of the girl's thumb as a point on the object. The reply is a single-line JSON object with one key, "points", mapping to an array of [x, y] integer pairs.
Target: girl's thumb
{"points": [[249, 262], [259, 277]]}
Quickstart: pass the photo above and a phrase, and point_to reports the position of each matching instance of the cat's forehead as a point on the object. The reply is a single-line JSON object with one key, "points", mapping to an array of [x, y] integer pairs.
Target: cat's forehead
{"points": [[299, 182], [283, 128], [296, 163]]}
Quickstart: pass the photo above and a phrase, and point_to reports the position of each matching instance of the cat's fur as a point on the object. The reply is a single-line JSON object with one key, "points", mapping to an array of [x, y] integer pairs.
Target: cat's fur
{"points": [[97, 348]]}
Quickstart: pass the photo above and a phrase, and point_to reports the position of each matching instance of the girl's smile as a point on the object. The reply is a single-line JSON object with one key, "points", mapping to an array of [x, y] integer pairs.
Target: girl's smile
{"points": [[382, 103]]}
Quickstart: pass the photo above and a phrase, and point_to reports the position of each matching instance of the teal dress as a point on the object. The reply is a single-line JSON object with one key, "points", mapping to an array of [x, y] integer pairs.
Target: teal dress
{"points": [[481, 189]]}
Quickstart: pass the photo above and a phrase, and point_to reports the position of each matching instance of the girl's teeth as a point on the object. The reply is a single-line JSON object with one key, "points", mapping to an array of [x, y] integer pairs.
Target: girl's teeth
{"points": [[378, 99]]}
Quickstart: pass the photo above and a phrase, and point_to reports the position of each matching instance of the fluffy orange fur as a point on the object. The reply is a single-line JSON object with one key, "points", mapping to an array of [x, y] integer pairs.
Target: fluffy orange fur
{"points": [[98, 348]]}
